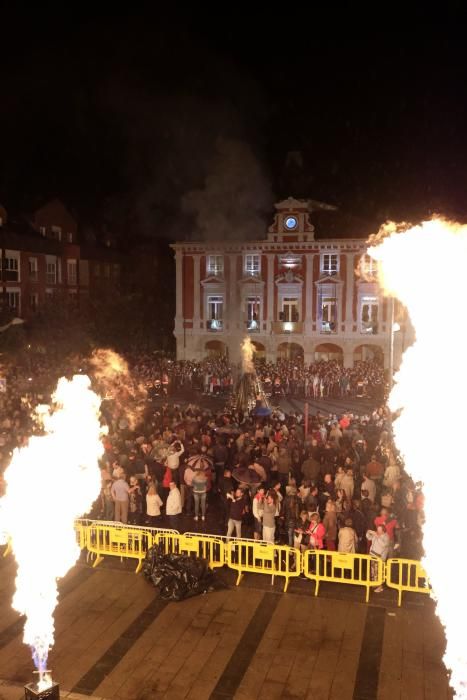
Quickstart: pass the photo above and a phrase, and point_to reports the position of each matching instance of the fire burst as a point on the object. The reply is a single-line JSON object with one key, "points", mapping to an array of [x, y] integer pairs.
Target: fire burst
{"points": [[50, 482], [431, 380]]}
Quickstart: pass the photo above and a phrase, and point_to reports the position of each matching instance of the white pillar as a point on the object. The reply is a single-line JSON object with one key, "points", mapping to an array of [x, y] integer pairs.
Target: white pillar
{"points": [[196, 294], [231, 315], [309, 293], [350, 290], [179, 287], [270, 291]]}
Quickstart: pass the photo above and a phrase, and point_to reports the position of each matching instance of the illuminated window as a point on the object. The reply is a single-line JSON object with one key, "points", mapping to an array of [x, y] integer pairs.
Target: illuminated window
{"points": [[329, 264], [253, 264], [369, 315], [369, 266], [327, 301], [253, 313], [290, 310], [215, 265], [215, 308]]}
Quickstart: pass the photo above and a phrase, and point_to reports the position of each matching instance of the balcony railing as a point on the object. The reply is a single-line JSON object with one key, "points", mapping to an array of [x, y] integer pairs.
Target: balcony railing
{"points": [[215, 325], [328, 328], [287, 327], [253, 326]]}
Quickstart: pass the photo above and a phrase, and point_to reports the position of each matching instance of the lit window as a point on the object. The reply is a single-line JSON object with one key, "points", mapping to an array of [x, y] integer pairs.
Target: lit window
{"points": [[69, 237], [327, 301], [42, 230], [253, 313], [369, 266], [215, 313], [33, 270], [215, 265], [290, 310], [329, 264], [369, 315], [253, 265]]}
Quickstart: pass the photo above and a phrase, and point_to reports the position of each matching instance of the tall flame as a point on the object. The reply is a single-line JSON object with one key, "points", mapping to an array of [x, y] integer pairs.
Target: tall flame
{"points": [[51, 482], [248, 350], [424, 266]]}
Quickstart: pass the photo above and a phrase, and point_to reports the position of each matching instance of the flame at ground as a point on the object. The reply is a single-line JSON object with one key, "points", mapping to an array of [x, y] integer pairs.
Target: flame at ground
{"points": [[248, 350], [51, 482], [416, 265]]}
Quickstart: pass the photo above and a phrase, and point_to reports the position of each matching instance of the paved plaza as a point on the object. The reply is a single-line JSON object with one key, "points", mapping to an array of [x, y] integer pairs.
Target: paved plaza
{"points": [[116, 639]]}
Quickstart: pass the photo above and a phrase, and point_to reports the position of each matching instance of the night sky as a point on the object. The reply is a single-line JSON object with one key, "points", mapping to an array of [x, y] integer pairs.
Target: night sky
{"points": [[174, 124]]}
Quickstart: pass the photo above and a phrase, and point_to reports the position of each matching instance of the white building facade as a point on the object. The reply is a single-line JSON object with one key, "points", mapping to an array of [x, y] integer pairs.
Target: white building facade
{"points": [[295, 296]]}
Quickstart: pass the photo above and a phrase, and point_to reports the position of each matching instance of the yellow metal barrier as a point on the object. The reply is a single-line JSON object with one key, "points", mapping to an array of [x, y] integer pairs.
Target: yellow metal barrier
{"points": [[243, 555], [263, 558], [208, 547], [406, 575], [81, 529], [338, 567], [116, 539]]}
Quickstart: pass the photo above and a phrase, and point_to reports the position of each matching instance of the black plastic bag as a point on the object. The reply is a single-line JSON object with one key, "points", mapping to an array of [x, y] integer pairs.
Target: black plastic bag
{"points": [[179, 576]]}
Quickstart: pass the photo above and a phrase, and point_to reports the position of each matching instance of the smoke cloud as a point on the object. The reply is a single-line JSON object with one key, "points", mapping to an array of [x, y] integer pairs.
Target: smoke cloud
{"points": [[236, 198]]}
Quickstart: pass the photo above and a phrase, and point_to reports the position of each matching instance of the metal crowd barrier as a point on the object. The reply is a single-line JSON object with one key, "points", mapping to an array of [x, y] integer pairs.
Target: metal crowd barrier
{"points": [[263, 558], [339, 567], [208, 547], [406, 575], [120, 540], [101, 538]]}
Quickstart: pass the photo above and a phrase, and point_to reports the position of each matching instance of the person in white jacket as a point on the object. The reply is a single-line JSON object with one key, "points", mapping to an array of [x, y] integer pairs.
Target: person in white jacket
{"points": [[173, 457], [173, 507]]}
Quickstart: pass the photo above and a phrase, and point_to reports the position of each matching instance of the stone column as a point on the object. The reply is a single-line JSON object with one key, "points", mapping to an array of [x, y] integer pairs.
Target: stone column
{"points": [[309, 293], [350, 290], [232, 313], [179, 287], [231, 317], [270, 292], [196, 294]]}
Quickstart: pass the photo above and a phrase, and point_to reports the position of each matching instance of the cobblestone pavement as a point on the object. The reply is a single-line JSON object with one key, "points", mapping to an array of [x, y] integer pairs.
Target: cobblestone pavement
{"points": [[116, 639]]}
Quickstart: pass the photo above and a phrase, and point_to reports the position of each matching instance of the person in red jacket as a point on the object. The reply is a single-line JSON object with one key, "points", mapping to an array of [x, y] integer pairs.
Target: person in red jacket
{"points": [[389, 520], [316, 532]]}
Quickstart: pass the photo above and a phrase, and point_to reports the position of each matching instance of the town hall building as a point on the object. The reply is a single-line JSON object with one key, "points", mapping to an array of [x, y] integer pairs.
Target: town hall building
{"points": [[295, 295]]}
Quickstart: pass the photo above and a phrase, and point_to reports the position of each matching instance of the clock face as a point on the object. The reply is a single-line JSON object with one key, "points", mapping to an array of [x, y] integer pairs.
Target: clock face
{"points": [[291, 222]]}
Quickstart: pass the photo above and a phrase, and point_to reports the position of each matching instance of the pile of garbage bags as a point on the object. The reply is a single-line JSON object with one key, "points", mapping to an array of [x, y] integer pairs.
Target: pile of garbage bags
{"points": [[179, 576]]}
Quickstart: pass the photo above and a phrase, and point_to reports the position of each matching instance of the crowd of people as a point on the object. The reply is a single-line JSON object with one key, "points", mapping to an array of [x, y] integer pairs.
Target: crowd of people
{"points": [[294, 378], [336, 483]]}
